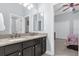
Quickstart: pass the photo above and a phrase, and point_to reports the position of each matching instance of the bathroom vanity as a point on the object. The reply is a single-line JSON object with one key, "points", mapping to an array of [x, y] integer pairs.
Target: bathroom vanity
{"points": [[23, 46]]}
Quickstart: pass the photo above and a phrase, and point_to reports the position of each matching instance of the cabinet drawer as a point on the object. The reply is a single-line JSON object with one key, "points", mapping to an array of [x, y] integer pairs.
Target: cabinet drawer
{"points": [[37, 40], [28, 51], [38, 50], [12, 48], [1, 51], [28, 43]]}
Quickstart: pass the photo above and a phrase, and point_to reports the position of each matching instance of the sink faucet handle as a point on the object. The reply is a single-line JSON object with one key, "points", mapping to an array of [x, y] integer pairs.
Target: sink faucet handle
{"points": [[15, 35]]}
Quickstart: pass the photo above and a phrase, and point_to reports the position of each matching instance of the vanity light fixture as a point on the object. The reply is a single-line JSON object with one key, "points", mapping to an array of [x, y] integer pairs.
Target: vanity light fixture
{"points": [[41, 14], [29, 6], [25, 4]]}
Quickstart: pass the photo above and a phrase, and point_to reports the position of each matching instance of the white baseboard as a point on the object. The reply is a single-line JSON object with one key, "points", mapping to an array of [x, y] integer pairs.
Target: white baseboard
{"points": [[49, 53], [61, 38]]}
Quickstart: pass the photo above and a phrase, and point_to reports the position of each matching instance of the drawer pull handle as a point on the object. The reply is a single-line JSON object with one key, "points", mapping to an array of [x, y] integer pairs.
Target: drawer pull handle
{"points": [[19, 53], [33, 47], [36, 46]]}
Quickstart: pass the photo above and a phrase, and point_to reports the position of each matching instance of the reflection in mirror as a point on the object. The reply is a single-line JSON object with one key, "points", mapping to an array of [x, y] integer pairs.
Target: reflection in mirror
{"points": [[39, 25], [35, 22], [16, 24], [2, 26], [38, 22], [41, 21], [26, 24]]}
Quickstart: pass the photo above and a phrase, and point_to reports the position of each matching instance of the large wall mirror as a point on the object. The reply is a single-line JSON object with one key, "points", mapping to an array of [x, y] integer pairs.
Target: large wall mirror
{"points": [[38, 22], [41, 21], [15, 24], [35, 20]]}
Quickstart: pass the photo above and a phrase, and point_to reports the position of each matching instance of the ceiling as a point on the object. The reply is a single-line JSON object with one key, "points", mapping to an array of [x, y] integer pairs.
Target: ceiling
{"points": [[59, 5]]}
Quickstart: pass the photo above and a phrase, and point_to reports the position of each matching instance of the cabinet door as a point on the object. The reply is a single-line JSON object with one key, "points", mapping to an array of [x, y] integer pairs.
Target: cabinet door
{"points": [[43, 45], [12, 48], [16, 54], [28, 51], [1, 51], [38, 49], [28, 44]]}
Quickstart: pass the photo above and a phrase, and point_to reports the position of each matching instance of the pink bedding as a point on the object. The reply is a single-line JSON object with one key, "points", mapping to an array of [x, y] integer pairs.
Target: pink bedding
{"points": [[72, 39]]}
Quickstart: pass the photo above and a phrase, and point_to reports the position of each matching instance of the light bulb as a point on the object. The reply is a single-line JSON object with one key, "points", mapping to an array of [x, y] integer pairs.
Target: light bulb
{"points": [[30, 6], [25, 4], [41, 14]]}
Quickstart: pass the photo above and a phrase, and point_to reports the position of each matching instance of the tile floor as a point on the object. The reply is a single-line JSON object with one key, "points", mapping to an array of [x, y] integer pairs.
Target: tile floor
{"points": [[61, 50]]}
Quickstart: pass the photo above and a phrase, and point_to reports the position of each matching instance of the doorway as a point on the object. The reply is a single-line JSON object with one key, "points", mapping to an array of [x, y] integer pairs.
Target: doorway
{"points": [[65, 28], [26, 24]]}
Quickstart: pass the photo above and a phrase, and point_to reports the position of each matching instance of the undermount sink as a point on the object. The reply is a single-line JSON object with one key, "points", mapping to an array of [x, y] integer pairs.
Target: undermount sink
{"points": [[31, 34], [16, 39], [21, 37]]}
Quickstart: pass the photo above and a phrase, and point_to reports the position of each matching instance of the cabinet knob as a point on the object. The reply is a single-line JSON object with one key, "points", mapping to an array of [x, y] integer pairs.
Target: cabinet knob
{"points": [[33, 47], [19, 53], [36, 46]]}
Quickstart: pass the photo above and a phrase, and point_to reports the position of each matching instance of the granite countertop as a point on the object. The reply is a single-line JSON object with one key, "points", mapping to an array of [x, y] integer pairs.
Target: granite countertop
{"points": [[8, 41]]}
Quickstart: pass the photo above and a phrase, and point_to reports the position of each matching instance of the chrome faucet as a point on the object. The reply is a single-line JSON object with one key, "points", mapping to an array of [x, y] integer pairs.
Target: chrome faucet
{"points": [[15, 35]]}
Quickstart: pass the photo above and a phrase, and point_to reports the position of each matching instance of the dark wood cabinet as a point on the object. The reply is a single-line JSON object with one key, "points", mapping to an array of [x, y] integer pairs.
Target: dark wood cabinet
{"points": [[29, 43], [28, 51], [17, 53], [28, 48], [35, 47], [13, 54], [11, 49], [1, 51], [38, 49], [43, 45]]}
